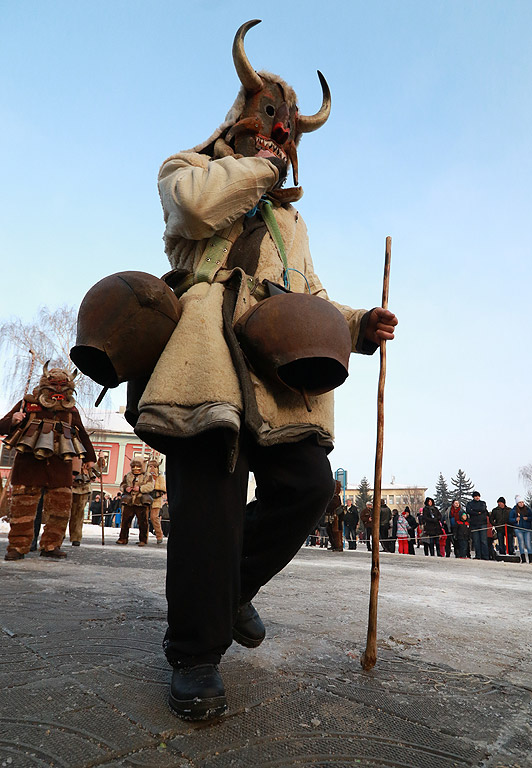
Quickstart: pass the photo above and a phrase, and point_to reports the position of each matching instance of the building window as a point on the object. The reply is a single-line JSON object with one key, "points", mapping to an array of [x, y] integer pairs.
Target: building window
{"points": [[391, 499], [7, 457], [104, 455]]}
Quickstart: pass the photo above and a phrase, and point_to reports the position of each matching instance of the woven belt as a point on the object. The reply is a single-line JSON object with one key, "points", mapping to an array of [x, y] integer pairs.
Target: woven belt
{"points": [[256, 289]]}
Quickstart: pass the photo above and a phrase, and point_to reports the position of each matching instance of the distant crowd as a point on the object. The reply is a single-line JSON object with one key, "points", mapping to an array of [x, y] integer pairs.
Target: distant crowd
{"points": [[471, 530]]}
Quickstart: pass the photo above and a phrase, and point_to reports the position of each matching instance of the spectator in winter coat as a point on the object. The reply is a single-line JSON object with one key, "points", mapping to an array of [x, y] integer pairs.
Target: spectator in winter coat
{"points": [[402, 532], [367, 521], [446, 541], [521, 518], [384, 527], [412, 525], [431, 525], [492, 535], [393, 531], [478, 526], [350, 524], [454, 514], [500, 518], [96, 510], [461, 535]]}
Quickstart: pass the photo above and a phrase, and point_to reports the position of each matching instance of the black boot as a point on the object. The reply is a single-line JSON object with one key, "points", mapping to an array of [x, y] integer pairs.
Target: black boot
{"points": [[529, 557], [523, 558], [197, 693], [248, 629]]}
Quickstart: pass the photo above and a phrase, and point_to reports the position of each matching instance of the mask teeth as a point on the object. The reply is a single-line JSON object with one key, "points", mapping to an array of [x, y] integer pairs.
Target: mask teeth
{"points": [[262, 143]]}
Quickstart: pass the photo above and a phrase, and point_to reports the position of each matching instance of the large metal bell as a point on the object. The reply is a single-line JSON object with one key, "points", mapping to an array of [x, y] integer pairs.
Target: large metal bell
{"points": [[78, 446], [44, 447], [27, 437], [66, 448], [124, 323], [297, 339]]}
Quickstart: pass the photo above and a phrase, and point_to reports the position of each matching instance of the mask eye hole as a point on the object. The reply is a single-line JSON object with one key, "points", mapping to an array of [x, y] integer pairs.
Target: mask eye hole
{"points": [[270, 110]]}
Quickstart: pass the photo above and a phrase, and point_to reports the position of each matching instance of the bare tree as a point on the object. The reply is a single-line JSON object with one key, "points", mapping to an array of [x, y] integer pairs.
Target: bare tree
{"points": [[525, 474], [50, 335], [413, 497]]}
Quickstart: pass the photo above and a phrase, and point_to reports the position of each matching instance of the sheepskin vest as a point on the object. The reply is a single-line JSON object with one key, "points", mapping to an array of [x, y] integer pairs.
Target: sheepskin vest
{"points": [[200, 381], [141, 497]]}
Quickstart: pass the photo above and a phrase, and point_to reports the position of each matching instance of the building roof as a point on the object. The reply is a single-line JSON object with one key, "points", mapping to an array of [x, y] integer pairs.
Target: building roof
{"points": [[107, 421]]}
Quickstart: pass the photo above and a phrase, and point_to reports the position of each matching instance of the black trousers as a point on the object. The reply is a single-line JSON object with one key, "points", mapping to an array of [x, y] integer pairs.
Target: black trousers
{"points": [[220, 551]]}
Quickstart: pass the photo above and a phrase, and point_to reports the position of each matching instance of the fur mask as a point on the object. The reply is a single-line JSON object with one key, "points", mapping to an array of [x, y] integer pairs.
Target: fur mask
{"points": [[56, 388], [137, 467], [265, 120]]}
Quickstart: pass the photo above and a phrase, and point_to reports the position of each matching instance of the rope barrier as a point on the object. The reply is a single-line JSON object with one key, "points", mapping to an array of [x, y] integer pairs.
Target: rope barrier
{"points": [[441, 535]]}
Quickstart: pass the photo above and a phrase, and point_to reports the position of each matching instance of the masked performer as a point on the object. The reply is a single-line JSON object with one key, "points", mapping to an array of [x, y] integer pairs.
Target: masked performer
{"points": [[159, 490], [47, 435], [136, 488], [232, 238], [81, 490]]}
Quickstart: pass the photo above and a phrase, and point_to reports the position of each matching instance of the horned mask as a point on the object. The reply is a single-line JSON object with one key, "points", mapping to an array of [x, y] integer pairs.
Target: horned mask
{"points": [[265, 120], [137, 466], [56, 388]]}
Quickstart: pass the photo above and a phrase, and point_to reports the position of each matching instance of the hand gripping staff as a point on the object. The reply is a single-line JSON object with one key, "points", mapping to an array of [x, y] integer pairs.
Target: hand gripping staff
{"points": [[3, 495], [369, 657]]}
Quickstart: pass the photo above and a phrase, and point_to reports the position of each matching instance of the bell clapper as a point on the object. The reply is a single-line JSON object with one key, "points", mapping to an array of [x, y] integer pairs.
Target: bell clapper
{"points": [[101, 396], [305, 398]]}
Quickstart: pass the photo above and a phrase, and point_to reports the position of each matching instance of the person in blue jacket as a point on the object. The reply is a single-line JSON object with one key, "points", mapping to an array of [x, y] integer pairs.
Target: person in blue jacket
{"points": [[521, 519]]}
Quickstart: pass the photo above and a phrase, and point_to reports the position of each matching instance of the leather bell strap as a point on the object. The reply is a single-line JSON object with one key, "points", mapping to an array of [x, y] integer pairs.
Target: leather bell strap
{"points": [[266, 209]]}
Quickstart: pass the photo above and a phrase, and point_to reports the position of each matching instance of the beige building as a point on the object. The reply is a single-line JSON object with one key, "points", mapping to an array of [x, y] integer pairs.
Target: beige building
{"points": [[396, 495]]}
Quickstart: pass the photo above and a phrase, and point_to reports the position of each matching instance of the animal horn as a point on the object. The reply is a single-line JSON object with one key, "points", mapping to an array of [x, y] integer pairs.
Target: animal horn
{"points": [[307, 124], [45, 368], [251, 81]]}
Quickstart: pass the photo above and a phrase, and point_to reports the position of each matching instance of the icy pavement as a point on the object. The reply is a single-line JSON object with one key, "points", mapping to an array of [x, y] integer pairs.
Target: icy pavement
{"points": [[84, 680]]}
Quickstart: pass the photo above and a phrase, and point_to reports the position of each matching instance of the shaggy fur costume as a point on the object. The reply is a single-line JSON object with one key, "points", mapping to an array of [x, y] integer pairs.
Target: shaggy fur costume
{"points": [[75, 524], [56, 511], [158, 492], [135, 503]]}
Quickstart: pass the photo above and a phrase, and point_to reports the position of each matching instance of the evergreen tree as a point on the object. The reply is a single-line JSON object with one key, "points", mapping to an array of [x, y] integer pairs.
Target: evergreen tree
{"points": [[463, 488], [364, 494], [442, 497]]}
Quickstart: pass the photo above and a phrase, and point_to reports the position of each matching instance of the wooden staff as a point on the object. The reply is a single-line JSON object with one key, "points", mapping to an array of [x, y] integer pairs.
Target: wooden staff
{"points": [[3, 495], [369, 657]]}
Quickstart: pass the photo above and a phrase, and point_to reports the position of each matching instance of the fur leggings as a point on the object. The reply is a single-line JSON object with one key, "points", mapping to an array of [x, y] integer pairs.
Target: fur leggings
{"points": [[56, 511], [75, 525]]}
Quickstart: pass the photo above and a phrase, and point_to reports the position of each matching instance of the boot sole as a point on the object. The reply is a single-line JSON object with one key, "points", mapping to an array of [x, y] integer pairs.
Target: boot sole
{"points": [[198, 709], [247, 642]]}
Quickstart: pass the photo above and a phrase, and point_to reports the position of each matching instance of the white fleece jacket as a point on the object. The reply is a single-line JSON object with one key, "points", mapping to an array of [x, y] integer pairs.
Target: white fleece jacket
{"points": [[194, 385]]}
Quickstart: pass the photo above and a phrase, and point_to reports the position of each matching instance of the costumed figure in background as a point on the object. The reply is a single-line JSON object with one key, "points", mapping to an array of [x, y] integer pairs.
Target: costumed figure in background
{"points": [[335, 519], [240, 385], [136, 488], [47, 435], [157, 494], [82, 476]]}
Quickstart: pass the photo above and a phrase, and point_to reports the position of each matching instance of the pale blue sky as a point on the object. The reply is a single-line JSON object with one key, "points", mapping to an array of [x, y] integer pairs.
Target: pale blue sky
{"points": [[428, 141]]}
